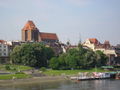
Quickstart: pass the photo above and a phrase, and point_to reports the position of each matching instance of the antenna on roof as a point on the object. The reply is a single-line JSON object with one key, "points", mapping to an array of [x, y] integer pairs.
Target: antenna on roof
{"points": [[80, 40]]}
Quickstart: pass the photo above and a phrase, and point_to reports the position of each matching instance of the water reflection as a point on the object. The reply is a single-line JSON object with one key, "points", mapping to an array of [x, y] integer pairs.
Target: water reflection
{"points": [[68, 85]]}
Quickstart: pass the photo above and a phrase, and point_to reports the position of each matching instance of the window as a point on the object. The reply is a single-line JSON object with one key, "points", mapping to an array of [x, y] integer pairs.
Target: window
{"points": [[4, 49], [26, 35], [4, 46], [5, 54]]}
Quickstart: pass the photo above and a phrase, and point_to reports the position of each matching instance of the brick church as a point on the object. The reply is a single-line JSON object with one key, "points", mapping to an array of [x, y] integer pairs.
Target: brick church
{"points": [[31, 33]]}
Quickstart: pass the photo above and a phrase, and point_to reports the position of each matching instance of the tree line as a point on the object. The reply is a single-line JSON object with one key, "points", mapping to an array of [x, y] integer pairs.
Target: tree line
{"points": [[38, 55], [79, 58]]}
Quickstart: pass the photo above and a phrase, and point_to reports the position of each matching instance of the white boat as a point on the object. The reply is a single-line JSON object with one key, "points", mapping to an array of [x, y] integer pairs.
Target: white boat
{"points": [[93, 77]]}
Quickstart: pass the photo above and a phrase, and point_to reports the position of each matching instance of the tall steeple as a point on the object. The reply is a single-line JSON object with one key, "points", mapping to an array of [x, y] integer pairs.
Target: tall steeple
{"points": [[30, 32]]}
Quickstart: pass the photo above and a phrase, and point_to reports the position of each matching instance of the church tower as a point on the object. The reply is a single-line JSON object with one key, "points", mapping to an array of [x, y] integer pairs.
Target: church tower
{"points": [[30, 32]]}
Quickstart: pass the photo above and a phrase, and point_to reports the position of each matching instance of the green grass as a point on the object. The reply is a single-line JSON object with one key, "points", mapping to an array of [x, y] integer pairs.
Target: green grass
{"points": [[71, 72], [15, 76], [21, 67], [15, 67]]}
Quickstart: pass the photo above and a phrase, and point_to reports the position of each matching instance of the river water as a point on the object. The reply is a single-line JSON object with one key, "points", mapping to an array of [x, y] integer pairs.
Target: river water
{"points": [[68, 85]]}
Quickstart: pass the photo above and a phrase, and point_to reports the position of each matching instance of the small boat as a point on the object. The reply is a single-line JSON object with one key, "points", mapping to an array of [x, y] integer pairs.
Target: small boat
{"points": [[117, 76]]}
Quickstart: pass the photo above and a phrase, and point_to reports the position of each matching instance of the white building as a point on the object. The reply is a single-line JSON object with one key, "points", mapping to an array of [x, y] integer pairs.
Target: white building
{"points": [[91, 43], [4, 51], [106, 48]]}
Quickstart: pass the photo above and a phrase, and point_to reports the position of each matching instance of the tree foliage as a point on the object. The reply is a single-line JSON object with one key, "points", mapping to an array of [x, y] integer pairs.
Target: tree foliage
{"points": [[101, 58], [77, 58], [35, 54], [54, 63]]}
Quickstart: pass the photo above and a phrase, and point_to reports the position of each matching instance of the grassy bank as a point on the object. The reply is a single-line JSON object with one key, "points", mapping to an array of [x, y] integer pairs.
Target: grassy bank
{"points": [[31, 81], [71, 72], [15, 70], [8, 67], [14, 76]]}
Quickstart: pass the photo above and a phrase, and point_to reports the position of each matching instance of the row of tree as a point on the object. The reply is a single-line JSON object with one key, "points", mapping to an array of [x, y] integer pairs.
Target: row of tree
{"points": [[37, 55], [79, 58]]}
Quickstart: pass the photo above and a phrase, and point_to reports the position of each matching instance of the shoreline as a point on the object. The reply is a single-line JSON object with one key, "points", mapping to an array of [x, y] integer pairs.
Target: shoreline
{"points": [[33, 80]]}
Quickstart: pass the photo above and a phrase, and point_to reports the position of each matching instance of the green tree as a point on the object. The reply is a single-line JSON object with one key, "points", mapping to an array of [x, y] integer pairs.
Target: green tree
{"points": [[101, 58], [33, 54], [72, 62], [54, 63], [72, 58], [63, 61], [15, 55], [88, 61], [77, 58]]}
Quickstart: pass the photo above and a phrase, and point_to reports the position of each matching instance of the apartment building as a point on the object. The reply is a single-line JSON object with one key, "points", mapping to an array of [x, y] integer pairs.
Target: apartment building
{"points": [[4, 51]]}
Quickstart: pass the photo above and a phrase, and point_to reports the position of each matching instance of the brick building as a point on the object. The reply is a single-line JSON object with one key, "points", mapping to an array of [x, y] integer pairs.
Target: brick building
{"points": [[31, 33]]}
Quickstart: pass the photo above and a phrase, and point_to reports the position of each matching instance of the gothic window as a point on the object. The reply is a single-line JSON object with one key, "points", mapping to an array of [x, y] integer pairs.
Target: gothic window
{"points": [[26, 35]]}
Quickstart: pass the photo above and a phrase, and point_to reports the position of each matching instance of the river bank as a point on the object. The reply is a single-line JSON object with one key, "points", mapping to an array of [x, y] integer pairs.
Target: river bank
{"points": [[33, 80]]}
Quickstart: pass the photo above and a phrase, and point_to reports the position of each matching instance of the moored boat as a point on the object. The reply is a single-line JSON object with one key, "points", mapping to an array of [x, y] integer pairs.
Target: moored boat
{"points": [[117, 76], [93, 76]]}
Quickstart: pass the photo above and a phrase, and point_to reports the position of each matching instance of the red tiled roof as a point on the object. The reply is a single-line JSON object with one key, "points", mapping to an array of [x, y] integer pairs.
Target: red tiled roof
{"points": [[29, 26], [2, 41], [49, 36], [94, 40]]}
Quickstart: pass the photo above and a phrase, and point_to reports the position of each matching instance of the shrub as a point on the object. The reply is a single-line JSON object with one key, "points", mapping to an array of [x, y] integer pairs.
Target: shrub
{"points": [[19, 73], [43, 69], [7, 67]]}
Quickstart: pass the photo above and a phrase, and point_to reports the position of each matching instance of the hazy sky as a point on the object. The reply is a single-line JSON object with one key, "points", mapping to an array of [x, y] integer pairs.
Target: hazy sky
{"points": [[70, 19]]}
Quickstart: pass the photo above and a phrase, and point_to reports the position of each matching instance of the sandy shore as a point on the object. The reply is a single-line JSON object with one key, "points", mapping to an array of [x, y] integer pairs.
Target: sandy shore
{"points": [[33, 80]]}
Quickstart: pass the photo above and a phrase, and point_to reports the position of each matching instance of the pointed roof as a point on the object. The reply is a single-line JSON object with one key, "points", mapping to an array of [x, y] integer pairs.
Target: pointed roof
{"points": [[29, 26], [50, 36]]}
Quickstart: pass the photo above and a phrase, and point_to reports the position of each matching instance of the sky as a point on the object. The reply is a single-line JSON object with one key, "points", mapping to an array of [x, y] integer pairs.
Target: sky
{"points": [[71, 20]]}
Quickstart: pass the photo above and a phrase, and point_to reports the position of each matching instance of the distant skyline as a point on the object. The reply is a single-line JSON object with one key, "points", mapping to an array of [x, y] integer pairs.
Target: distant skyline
{"points": [[69, 19]]}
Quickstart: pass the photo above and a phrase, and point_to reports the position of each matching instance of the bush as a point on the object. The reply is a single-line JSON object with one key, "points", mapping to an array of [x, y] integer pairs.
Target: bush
{"points": [[7, 67], [43, 69], [19, 73], [14, 69]]}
